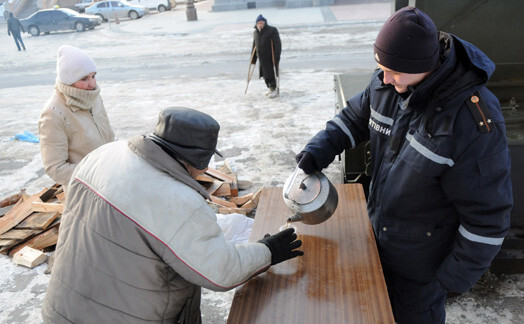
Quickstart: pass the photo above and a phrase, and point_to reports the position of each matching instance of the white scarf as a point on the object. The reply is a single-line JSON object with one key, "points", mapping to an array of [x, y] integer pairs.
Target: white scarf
{"points": [[83, 99]]}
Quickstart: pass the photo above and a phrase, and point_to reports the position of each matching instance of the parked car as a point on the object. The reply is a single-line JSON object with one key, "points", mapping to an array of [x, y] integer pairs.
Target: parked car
{"points": [[116, 9], [160, 5], [48, 20], [83, 4]]}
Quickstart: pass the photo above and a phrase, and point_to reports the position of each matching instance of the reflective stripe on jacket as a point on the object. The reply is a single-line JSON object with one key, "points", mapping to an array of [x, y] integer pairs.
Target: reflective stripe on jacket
{"points": [[440, 196]]}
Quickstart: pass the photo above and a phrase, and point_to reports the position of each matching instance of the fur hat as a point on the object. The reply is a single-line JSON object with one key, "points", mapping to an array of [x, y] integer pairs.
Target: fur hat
{"points": [[408, 42], [187, 134], [72, 64]]}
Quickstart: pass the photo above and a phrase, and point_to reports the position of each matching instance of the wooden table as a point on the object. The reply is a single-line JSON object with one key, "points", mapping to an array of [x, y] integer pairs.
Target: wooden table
{"points": [[338, 280]]}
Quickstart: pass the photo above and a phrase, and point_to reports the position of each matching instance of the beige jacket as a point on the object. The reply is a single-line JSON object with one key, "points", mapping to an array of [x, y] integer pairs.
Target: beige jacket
{"points": [[73, 123], [138, 240]]}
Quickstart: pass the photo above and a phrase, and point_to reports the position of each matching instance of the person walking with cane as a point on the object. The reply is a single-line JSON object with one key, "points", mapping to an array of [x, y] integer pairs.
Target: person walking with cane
{"points": [[267, 48]]}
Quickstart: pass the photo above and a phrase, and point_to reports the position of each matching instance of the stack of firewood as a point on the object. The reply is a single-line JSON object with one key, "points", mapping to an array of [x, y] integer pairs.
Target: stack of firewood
{"points": [[223, 186], [33, 221]]}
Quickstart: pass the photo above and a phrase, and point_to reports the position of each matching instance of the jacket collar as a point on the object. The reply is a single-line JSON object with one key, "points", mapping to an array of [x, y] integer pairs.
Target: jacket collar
{"points": [[154, 155]]}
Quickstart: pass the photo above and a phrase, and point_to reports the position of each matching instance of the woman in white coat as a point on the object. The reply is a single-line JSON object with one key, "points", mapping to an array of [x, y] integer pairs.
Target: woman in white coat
{"points": [[74, 121]]}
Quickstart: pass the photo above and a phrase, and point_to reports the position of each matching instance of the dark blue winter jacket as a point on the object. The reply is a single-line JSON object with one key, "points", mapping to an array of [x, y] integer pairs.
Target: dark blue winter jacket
{"points": [[440, 195]]}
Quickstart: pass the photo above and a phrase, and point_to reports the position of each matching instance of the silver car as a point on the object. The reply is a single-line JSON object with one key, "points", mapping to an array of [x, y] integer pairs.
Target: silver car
{"points": [[116, 9]]}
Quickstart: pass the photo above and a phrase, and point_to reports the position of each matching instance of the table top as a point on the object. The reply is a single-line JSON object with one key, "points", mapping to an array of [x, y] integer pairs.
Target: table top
{"points": [[338, 280]]}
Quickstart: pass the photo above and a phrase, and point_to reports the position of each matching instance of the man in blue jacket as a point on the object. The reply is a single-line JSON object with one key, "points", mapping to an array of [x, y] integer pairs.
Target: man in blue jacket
{"points": [[440, 196]]}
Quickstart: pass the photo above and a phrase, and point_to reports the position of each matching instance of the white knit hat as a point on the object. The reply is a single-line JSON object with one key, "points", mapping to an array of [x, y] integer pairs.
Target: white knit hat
{"points": [[72, 64]]}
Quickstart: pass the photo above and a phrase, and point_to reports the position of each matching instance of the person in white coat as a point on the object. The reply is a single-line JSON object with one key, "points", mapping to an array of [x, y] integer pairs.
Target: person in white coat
{"points": [[138, 239], [74, 121]]}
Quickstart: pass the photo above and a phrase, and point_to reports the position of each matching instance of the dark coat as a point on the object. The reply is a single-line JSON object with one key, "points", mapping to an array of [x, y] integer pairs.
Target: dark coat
{"points": [[262, 41], [441, 195], [14, 26]]}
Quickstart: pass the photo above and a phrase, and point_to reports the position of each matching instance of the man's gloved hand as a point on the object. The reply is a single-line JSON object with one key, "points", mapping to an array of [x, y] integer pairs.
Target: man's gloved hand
{"points": [[306, 162], [282, 245]]}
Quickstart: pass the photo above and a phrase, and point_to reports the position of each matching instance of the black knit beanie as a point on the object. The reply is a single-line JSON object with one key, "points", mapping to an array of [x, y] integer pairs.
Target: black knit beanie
{"points": [[408, 42]]}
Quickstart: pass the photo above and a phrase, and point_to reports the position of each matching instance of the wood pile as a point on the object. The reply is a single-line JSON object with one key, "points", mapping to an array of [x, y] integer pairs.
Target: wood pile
{"points": [[223, 186], [32, 221]]}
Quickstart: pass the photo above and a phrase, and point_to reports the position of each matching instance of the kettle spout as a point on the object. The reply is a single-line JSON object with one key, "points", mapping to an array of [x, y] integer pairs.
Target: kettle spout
{"points": [[295, 218]]}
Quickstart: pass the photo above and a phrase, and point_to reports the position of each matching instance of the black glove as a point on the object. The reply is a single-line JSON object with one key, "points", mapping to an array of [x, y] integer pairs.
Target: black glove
{"points": [[282, 245], [306, 162]]}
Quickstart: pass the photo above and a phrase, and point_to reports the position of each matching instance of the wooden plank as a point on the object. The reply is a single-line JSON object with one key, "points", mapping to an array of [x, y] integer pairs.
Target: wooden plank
{"points": [[49, 193], [229, 210], [234, 187], [18, 234], [18, 213], [9, 242], [47, 238], [56, 222], [239, 201], [38, 221], [11, 200], [256, 197], [43, 207], [224, 190], [29, 257], [205, 178], [338, 280], [222, 202], [250, 205], [219, 175], [226, 169], [214, 186], [253, 202]]}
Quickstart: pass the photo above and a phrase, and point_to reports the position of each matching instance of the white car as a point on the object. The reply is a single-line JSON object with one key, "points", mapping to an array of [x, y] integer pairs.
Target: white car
{"points": [[160, 5], [116, 9], [83, 4]]}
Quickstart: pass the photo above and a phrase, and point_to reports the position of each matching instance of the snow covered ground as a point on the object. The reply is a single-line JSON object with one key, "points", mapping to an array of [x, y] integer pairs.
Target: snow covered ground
{"points": [[162, 60]]}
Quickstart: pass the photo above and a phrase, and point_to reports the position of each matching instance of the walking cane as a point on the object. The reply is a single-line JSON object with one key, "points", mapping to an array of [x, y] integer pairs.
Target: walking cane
{"points": [[275, 68], [249, 72]]}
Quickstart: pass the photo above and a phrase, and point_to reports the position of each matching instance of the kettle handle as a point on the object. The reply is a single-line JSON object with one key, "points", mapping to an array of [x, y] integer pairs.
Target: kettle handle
{"points": [[290, 183]]}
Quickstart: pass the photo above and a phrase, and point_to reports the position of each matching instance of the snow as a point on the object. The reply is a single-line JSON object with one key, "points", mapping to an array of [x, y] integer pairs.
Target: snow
{"points": [[162, 60]]}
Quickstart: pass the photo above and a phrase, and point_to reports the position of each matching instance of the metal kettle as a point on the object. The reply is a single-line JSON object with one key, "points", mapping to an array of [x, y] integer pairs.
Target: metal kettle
{"points": [[312, 197]]}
